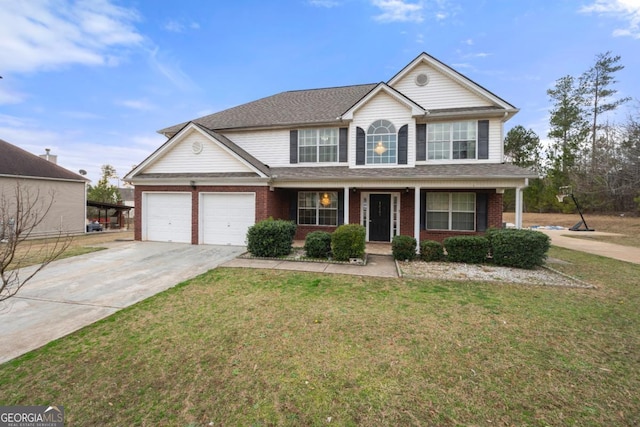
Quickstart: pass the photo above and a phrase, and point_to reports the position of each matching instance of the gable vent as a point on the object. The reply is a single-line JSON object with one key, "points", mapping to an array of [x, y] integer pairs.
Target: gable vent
{"points": [[422, 79]]}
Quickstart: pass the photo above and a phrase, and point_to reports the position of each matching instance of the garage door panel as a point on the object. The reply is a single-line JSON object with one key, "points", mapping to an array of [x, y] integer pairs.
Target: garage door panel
{"points": [[226, 217], [168, 217]]}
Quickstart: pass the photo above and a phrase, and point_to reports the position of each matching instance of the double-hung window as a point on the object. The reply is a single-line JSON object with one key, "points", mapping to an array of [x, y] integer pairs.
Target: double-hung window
{"points": [[318, 208], [318, 145], [451, 211], [455, 140]]}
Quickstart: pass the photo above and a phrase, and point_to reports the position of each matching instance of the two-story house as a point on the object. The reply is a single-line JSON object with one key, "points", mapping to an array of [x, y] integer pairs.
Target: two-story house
{"points": [[420, 155]]}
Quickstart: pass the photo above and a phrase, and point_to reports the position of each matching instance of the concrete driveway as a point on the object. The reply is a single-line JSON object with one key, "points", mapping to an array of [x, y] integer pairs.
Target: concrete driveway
{"points": [[74, 292]]}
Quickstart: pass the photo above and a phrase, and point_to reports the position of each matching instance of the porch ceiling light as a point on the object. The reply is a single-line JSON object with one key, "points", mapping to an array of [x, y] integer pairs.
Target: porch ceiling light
{"points": [[380, 149], [325, 200]]}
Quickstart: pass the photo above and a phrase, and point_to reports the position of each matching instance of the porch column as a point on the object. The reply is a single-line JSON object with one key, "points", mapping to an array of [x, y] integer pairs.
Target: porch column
{"points": [[519, 207], [346, 205], [416, 215]]}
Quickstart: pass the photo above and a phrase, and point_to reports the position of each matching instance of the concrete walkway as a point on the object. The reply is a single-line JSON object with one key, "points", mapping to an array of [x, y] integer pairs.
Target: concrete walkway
{"points": [[75, 292], [563, 239]]}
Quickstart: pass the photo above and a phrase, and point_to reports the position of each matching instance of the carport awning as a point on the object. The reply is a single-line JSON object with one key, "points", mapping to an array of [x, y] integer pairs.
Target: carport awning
{"points": [[103, 205]]}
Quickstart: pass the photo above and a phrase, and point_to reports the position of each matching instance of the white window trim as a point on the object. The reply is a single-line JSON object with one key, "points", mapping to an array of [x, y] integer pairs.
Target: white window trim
{"points": [[451, 141], [450, 212], [317, 146], [366, 145], [318, 208]]}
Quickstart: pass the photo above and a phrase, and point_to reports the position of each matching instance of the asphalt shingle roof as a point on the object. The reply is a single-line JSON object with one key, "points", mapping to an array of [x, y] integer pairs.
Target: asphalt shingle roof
{"points": [[451, 171], [286, 108], [18, 162]]}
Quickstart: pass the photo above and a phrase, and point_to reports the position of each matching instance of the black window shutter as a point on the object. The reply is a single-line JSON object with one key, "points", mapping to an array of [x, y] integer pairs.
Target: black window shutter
{"points": [[423, 209], [293, 206], [340, 207], [483, 139], [293, 146], [342, 144], [421, 142], [403, 137], [482, 202], [360, 146]]}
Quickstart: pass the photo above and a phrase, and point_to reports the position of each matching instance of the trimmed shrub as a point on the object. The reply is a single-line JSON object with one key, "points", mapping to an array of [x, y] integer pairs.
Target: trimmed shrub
{"points": [[318, 244], [430, 250], [271, 238], [403, 248], [348, 241], [467, 249], [519, 248]]}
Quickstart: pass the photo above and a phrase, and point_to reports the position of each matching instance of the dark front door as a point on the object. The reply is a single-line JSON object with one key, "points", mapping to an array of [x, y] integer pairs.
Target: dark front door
{"points": [[380, 218]]}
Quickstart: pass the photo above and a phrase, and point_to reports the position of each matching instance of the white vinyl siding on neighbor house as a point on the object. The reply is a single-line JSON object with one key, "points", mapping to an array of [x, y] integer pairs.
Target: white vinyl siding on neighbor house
{"points": [[211, 159], [383, 106], [440, 92]]}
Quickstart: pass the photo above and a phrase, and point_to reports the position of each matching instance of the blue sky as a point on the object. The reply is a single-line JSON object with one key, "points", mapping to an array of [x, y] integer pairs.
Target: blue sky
{"points": [[94, 80]]}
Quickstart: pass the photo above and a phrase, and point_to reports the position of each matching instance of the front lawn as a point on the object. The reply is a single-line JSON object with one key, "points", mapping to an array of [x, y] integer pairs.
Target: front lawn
{"points": [[261, 347]]}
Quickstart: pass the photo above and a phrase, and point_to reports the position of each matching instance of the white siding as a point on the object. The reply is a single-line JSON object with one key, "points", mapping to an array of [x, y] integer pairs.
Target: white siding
{"points": [[440, 92], [271, 147], [383, 106], [182, 159]]}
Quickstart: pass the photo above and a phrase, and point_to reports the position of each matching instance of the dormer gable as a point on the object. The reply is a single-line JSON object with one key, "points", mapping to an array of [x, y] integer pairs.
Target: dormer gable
{"points": [[416, 109]]}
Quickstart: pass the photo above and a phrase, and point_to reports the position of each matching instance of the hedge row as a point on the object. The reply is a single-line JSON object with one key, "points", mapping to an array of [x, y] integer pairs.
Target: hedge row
{"points": [[511, 248]]}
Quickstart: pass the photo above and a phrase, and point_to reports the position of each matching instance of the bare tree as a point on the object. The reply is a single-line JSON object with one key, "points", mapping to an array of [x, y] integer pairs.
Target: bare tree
{"points": [[21, 214]]}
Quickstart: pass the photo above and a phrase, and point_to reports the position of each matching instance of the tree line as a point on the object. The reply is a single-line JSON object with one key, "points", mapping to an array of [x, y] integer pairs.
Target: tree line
{"points": [[598, 158]]}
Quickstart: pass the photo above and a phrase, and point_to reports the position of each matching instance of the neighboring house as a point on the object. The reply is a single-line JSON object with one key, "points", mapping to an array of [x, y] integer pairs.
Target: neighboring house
{"points": [[420, 155], [127, 194], [43, 182]]}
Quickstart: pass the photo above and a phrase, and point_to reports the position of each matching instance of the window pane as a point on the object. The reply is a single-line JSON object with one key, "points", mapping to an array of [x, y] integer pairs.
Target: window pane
{"points": [[307, 154], [463, 202], [438, 141], [462, 221], [307, 137], [438, 220], [437, 202], [307, 216], [381, 149], [328, 217], [328, 153]]}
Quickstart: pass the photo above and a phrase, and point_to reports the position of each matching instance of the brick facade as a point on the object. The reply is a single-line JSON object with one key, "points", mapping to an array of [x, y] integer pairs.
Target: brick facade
{"points": [[276, 203]]}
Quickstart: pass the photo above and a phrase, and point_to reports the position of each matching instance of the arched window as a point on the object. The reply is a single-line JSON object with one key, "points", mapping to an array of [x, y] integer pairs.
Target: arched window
{"points": [[382, 143]]}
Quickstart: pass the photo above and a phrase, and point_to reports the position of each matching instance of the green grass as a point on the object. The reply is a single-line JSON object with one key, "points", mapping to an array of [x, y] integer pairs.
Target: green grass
{"points": [[261, 347]]}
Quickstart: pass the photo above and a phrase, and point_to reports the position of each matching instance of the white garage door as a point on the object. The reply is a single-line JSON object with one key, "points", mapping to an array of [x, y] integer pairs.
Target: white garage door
{"points": [[226, 217], [168, 217]]}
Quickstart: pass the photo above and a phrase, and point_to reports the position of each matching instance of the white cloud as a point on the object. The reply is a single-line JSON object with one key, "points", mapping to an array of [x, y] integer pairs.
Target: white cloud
{"points": [[398, 11], [170, 69], [324, 3], [8, 96], [174, 26], [49, 34], [468, 42], [179, 27], [137, 104], [624, 10]]}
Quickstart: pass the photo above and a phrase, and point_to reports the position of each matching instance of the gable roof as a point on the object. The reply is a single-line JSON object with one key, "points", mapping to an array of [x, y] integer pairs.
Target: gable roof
{"points": [[383, 87], [15, 161], [455, 75], [258, 167], [283, 109]]}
